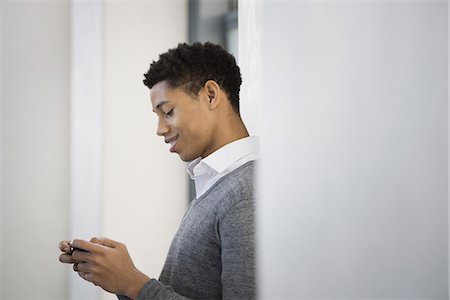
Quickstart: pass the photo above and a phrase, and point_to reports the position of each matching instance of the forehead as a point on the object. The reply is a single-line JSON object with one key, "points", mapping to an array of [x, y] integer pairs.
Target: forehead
{"points": [[162, 93], [159, 91]]}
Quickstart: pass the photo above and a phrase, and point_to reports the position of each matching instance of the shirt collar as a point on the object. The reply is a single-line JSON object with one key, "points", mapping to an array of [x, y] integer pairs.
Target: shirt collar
{"points": [[222, 158], [191, 166]]}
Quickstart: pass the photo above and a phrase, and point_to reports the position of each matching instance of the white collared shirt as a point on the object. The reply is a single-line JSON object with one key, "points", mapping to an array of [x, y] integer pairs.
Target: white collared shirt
{"points": [[205, 172]]}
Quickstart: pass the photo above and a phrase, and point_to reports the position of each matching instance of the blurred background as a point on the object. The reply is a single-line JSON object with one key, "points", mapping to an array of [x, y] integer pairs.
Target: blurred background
{"points": [[80, 155], [349, 98]]}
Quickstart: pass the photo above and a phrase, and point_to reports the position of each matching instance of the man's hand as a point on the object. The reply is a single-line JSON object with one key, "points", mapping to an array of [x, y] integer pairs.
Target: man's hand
{"points": [[66, 257], [107, 264]]}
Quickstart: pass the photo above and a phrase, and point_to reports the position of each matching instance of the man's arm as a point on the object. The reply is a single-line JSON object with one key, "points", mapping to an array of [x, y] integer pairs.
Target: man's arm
{"points": [[237, 234], [109, 265]]}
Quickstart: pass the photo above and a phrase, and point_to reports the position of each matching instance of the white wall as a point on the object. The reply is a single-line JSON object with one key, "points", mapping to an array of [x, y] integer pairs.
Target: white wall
{"points": [[145, 187], [86, 134], [353, 124], [250, 63], [35, 135], [1, 147]]}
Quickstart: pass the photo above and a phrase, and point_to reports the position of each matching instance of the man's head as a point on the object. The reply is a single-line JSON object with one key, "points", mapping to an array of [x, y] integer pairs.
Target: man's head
{"points": [[194, 90], [190, 66]]}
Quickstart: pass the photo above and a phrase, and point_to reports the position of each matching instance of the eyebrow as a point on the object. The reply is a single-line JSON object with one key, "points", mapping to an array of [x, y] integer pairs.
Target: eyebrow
{"points": [[161, 104]]}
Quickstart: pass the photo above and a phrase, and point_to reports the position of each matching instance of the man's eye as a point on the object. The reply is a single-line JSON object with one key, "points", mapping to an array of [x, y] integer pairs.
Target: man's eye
{"points": [[169, 113]]}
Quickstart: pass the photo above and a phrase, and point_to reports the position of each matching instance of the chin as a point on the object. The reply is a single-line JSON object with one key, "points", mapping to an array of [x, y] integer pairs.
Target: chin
{"points": [[187, 158], [184, 158]]}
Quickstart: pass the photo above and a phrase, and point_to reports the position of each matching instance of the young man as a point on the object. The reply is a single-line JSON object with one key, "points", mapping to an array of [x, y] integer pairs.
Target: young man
{"points": [[194, 90]]}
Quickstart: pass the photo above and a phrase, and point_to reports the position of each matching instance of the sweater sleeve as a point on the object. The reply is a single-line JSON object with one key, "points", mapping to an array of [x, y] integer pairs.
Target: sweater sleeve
{"points": [[237, 234], [155, 290]]}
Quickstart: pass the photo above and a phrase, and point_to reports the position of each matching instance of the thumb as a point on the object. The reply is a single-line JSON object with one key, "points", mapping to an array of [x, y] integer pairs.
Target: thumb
{"points": [[105, 242]]}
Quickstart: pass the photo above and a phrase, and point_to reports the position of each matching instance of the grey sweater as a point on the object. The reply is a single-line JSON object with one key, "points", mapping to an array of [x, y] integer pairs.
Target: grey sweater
{"points": [[212, 255]]}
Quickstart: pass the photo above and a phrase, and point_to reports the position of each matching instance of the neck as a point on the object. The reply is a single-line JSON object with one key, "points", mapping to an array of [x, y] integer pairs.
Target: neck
{"points": [[232, 130]]}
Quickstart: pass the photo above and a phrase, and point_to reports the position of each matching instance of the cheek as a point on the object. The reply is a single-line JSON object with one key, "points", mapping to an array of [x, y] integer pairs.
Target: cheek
{"points": [[192, 125], [185, 126]]}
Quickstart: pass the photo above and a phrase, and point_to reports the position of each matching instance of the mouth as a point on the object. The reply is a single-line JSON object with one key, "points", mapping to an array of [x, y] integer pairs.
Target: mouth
{"points": [[172, 141]]}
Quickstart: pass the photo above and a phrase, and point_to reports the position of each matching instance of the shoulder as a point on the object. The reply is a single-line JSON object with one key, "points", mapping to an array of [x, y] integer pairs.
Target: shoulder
{"points": [[238, 186]]}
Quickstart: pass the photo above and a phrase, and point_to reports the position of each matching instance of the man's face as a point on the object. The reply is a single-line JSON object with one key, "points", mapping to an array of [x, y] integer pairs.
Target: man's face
{"points": [[183, 121]]}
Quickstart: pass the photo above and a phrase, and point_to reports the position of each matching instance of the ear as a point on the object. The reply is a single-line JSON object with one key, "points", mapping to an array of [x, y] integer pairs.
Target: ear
{"points": [[213, 92]]}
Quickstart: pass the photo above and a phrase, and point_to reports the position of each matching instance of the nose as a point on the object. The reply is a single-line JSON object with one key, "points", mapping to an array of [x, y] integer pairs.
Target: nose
{"points": [[163, 128]]}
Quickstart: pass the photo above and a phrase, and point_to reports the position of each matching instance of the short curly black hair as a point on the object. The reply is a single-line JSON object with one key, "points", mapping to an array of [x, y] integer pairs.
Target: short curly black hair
{"points": [[191, 66]]}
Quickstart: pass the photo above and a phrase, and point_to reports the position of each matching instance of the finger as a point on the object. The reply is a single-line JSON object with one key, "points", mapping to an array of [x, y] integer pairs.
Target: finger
{"points": [[86, 276], [81, 244], [64, 246], [75, 267], [95, 240], [82, 275], [66, 258], [105, 242], [81, 256], [84, 268], [87, 246]]}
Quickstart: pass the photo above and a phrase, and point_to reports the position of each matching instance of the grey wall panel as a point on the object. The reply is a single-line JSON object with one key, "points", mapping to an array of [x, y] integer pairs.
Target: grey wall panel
{"points": [[353, 124], [35, 141]]}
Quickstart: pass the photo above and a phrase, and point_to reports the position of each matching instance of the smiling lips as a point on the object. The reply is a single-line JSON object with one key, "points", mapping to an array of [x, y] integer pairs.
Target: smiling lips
{"points": [[172, 141]]}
